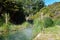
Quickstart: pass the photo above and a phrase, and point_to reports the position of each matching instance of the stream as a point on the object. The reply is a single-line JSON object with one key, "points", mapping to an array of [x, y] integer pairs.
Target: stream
{"points": [[25, 34]]}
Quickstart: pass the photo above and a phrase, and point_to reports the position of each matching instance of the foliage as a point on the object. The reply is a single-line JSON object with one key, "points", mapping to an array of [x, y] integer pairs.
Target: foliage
{"points": [[51, 11], [48, 22], [9, 8], [39, 24], [23, 6], [36, 26], [31, 6], [1, 21]]}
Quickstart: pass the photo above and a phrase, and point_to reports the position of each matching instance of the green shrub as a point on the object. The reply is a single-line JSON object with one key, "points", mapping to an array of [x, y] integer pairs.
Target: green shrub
{"points": [[48, 22]]}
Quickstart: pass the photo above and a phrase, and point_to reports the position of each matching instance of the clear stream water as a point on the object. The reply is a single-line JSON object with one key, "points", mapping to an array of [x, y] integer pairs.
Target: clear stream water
{"points": [[25, 34]]}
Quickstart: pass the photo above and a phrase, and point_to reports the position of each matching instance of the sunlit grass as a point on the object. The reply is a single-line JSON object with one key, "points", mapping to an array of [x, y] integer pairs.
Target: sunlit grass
{"points": [[51, 33]]}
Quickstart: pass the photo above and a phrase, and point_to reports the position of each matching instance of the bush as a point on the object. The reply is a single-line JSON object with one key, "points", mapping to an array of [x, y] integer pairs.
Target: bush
{"points": [[48, 22]]}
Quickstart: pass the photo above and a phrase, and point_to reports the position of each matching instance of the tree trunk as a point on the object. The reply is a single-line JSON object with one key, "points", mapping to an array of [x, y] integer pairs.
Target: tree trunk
{"points": [[6, 18]]}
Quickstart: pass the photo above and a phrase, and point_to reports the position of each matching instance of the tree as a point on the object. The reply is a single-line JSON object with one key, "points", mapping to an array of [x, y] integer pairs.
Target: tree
{"points": [[25, 6], [11, 9], [31, 6]]}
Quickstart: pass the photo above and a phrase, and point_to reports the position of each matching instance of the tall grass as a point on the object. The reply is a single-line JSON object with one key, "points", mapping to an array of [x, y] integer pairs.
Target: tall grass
{"points": [[36, 27]]}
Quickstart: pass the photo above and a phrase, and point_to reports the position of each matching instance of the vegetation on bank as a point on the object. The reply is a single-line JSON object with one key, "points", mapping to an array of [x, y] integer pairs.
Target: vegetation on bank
{"points": [[51, 20]]}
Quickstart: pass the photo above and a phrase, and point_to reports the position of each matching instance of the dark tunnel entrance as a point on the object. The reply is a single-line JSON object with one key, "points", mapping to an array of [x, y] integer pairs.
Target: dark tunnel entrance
{"points": [[17, 18]]}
